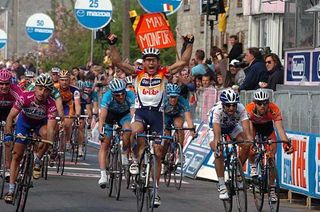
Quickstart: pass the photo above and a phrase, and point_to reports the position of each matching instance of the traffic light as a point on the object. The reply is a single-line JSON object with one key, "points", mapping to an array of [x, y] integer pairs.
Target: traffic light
{"points": [[102, 33], [212, 7]]}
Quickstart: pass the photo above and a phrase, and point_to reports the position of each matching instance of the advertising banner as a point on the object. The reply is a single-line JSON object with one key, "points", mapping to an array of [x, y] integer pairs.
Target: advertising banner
{"points": [[316, 66], [39, 27], [167, 6], [3, 39], [153, 30], [297, 67]]}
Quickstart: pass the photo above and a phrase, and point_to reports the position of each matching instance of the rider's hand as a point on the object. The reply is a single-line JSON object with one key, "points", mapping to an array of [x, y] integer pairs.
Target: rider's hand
{"points": [[189, 39], [112, 39], [289, 150]]}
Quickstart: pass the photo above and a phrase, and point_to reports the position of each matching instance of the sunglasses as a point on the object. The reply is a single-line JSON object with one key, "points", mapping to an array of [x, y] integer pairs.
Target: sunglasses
{"points": [[262, 103], [118, 94], [230, 105], [173, 97], [268, 62], [4, 83]]}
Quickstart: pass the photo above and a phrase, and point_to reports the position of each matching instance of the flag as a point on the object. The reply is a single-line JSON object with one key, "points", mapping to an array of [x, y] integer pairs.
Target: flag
{"points": [[132, 13], [167, 8]]}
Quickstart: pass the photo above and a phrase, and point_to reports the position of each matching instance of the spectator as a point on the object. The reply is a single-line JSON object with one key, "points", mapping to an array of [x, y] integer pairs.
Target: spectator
{"points": [[219, 61], [138, 64], [275, 70], [256, 71], [192, 63], [30, 67], [75, 72], [220, 82], [18, 69], [199, 69], [236, 49], [235, 75]]}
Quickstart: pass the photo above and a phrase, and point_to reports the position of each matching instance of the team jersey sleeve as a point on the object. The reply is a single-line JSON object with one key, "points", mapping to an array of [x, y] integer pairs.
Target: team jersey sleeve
{"points": [[21, 101], [275, 111], [242, 111], [52, 109], [95, 97], [214, 116], [249, 109], [131, 98], [55, 94], [106, 99]]}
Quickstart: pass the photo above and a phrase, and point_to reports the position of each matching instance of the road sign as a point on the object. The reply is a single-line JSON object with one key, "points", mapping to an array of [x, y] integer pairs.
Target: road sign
{"points": [[93, 14], [167, 6], [39, 27], [3, 38]]}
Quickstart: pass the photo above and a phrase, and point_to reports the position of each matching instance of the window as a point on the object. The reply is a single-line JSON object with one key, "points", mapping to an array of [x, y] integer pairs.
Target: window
{"points": [[263, 33], [239, 4]]}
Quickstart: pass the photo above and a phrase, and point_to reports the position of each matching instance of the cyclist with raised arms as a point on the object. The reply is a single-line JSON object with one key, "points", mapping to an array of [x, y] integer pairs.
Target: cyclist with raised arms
{"points": [[264, 115], [117, 105], [228, 116], [9, 93], [176, 111], [149, 87], [34, 110]]}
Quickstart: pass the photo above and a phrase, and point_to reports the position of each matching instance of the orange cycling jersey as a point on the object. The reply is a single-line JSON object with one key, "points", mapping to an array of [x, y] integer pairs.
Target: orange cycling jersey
{"points": [[273, 114]]}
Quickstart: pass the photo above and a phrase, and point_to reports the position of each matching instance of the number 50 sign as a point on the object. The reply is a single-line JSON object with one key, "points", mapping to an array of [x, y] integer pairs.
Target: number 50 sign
{"points": [[93, 14], [39, 27]]}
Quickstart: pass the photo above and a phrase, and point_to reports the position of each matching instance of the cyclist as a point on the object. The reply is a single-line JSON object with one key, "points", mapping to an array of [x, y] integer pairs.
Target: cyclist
{"points": [[36, 110], [117, 105], [129, 83], [149, 86], [9, 93], [89, 103], [71, 102], [228, 116], [55, 75], [176, 111], [263, 115]]}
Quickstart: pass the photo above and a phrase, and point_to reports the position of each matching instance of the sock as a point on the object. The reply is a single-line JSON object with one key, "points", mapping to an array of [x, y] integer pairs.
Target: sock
{"points": [[103, 173], [11, 187], [221, 181]]}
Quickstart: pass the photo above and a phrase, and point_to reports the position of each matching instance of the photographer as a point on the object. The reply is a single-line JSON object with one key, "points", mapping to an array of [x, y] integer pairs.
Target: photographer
{"points": [[235, 75]]}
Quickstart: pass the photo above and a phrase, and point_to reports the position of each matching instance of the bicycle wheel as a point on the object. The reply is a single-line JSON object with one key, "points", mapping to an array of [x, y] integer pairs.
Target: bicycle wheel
{"points": [[117, 168], [25, 183], [2, 167], [227, 204], [140, 185], [45, 166], [85, 142], [178, 154], [274, 206], [152, 185], [169, 164], [239, 186], [258, 187]]}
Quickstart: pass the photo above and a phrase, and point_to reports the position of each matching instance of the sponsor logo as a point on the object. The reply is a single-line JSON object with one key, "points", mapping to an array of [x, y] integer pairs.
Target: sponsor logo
{"points": [[149, 92], [150, 82]]}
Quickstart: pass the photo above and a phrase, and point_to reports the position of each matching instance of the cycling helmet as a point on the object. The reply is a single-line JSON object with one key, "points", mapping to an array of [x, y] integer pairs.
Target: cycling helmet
{"points": [[88, 84], [173, 90], [151, 52], [64, 73], [5, 75], [128, 79], [29, 74], [229, 96], [55, 69], [260, 95], [117, 85], [45, 81]]}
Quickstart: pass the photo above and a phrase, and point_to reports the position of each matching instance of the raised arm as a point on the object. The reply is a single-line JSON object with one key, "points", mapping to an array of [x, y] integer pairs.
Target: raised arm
{"points": [[185, 58], [116, 58]]}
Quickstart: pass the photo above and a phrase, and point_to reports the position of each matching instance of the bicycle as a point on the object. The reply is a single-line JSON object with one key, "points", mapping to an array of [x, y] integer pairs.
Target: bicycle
{"points": [[2, 158], [265, 166], [235, 179], [147, 167], [174, 159], [23, 181], [75, 137], [59, 149], [86, 137], [115, 169]]}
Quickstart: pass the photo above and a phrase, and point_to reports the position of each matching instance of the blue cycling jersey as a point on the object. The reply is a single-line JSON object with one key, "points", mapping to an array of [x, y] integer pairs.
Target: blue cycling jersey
{"points": [[88, 98], [179, 109], [109, 103]]}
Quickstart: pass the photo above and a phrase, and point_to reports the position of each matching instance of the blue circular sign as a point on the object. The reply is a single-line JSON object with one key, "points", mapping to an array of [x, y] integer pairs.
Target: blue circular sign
{"points": [[167, 6], [3, 38], [93, 14], [39, 27]]}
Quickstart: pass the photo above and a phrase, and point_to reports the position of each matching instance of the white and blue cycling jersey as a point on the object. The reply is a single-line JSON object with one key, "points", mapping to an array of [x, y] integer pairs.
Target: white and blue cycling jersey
{"points": [[176, 110], [109, 103]]}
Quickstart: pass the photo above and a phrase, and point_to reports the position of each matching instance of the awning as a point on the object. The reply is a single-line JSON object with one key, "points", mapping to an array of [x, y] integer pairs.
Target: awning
{"points": [[314, 9]]}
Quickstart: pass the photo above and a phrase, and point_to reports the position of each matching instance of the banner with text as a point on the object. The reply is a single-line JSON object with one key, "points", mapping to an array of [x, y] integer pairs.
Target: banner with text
{"points": [[153, 30]]}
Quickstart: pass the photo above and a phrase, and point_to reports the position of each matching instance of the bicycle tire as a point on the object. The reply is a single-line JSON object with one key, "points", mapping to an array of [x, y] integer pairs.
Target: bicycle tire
{"points": [[227, 204], [239, 186], [85, 143], [258, 188], [152, 185], [178, 176], [127, 175], [45, 166], [168, 163], [26, 179], [140, 189], [118, 175], [274, 207], [2, 167]]}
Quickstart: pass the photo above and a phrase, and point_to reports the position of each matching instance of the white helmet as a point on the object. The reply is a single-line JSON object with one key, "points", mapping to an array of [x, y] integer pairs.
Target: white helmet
{"points": [[260, 95], [45, 81], [151, 52], [229, 96], [128, 79]]}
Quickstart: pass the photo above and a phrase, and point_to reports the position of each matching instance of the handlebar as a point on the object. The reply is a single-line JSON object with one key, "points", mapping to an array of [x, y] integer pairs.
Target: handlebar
{"points": [[35, 139], [181, 128], [162, 137]]}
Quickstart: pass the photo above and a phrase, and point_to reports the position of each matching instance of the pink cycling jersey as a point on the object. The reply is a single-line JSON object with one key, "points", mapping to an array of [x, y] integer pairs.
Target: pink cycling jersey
{"points": [[8, 100], [33, 112]]}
